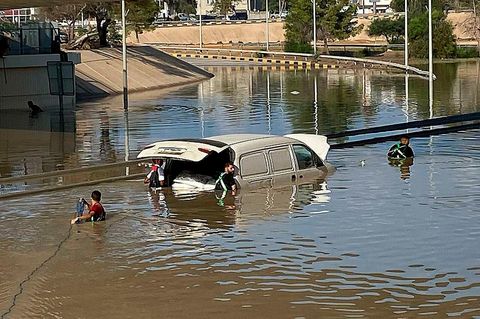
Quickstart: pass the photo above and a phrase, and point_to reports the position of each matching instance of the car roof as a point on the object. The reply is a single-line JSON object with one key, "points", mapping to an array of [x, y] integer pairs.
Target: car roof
{"points": [[195, 149], [235, 139]]}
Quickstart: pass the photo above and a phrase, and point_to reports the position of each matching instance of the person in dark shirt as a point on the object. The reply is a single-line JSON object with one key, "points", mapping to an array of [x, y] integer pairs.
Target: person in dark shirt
{"points": [[225, 181], [401, 150], [95, 210]]}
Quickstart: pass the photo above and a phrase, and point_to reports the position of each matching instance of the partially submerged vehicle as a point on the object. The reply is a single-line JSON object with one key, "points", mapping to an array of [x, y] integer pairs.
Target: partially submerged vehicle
{"points": [[260, 160]]}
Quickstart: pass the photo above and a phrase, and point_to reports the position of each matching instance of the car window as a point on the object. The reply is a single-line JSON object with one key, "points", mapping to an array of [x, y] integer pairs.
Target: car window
{"points": [[281, 160], [305, 158], [253, 164]]}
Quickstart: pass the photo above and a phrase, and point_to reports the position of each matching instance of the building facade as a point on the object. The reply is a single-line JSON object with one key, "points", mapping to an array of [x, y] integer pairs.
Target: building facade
{"points": [[18, 16], [372, 6]]}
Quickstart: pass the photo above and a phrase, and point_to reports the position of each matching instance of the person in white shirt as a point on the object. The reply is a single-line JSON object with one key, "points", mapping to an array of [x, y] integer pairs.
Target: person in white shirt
{"points": [[156, 176]]}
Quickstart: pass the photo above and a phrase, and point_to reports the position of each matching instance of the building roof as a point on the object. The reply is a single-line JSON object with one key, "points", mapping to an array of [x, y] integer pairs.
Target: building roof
{"points": [[16, 4]]}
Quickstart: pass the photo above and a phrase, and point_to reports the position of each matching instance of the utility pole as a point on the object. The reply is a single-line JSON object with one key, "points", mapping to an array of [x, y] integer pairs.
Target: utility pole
{"points": [[314, 27], [406, 34], [430, 57], [266, 20], [200, 22], [124, 57]]}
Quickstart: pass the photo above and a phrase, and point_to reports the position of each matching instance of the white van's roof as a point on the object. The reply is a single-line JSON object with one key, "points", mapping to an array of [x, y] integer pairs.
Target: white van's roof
{"points": [[197, 149]]}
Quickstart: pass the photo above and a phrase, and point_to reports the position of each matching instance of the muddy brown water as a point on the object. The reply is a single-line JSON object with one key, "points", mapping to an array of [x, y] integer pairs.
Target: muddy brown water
{"points": [[372, 241]]}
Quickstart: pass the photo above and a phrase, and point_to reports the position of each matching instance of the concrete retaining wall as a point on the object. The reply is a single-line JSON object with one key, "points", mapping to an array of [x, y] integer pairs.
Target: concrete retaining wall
{"points": [[254, 32], [100, 72], [24, 78]]}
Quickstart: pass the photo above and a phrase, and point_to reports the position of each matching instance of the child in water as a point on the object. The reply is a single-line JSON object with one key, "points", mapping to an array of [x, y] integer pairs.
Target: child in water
{"points": [[96, 212]]}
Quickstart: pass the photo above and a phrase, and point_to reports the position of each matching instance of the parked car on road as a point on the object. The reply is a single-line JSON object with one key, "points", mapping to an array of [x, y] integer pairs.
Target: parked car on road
{"points": [[239, 15], [183, 16], [260, 160]]}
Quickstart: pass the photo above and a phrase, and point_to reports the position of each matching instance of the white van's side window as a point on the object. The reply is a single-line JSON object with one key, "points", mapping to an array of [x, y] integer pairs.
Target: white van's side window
{"points": [[253, 164], [281, 160], [304, 157]]}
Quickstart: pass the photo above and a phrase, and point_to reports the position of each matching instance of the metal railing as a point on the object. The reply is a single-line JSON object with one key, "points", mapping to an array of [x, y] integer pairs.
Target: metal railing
{"points": [[296, 56]]}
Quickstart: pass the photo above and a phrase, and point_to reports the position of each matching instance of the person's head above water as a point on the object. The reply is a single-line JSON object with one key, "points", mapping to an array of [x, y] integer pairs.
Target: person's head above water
{"points": [[229, 168], [158, 161], [96, 196], [404, 140]]}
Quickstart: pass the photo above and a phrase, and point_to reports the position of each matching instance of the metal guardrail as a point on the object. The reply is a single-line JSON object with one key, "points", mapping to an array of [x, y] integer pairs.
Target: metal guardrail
{"points": [[189, 23], [295, 56], [414, 124], [17, 186]]}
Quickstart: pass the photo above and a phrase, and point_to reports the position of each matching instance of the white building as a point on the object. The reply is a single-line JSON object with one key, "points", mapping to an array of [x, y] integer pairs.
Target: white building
{"points": [[372, 6], [206, 6], [18, 16]]}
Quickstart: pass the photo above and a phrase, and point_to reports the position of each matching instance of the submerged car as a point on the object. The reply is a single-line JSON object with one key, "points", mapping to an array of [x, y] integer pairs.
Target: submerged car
{"points": [[260, 160]]}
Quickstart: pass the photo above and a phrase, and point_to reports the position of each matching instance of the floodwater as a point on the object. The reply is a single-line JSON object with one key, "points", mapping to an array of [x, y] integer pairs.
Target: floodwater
{"points": [[373, 241]]}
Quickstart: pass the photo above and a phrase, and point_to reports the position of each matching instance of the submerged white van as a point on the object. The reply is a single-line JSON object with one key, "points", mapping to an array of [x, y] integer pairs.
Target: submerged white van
{"points": [[260, 160]]}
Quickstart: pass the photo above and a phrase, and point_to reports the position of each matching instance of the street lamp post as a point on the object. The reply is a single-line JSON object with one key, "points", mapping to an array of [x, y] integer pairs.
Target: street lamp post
{"points": [[406, 34], [200, 22], [266, 20], [124, 58], [314, 27], [430, 57]]}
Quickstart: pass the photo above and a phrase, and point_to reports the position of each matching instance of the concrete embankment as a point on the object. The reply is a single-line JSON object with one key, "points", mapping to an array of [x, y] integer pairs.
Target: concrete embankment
{"points": [[255, 33], [213, 34], [100, 73]]}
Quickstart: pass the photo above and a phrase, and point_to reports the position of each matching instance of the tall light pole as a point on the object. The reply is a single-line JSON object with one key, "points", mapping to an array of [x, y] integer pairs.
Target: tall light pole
{"points": [[406, 34], [266, 20], [200, 22], [124, 57], [430, 58], [406, 59], [314, 27]]}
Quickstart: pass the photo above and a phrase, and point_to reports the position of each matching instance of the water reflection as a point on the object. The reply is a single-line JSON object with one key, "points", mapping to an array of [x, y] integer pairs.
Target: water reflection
{"points": [[404, 166], [365, 245]]}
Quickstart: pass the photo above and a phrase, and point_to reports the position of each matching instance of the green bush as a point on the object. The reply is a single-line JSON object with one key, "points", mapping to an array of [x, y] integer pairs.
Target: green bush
{"points": [[469, 52], [298, 47]]}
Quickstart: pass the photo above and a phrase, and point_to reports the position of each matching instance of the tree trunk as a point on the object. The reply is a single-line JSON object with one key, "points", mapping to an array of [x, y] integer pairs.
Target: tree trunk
{"points": [[325, 43], [103, 30]]}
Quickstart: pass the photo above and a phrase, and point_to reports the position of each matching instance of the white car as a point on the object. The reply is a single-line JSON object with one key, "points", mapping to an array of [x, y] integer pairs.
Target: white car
{"points": [[260, 160]]}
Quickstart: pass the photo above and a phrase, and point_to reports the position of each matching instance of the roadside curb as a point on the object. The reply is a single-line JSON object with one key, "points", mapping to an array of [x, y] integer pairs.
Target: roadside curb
{"points": [[282, 63]]}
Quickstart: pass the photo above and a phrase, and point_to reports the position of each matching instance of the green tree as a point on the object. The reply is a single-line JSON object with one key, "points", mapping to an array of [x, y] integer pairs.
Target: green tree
{"points": [[68, 12], [415, 6], [140, 15], [298, 26], [102, 12], [444, 42], [335, 21], [392, 29]]}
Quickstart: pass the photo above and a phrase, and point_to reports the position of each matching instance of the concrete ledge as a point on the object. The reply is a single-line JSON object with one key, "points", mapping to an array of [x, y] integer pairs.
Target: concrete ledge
{"points": [[285, 64]]}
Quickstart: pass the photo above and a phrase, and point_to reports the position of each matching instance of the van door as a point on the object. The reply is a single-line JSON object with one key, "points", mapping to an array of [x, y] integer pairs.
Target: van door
{"points": [[308, 164], [254, 169], [282, 165]]}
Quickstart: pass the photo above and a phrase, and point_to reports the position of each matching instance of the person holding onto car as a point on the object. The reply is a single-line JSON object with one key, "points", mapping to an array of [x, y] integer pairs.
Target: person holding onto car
{"points": [[225, 181]]}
